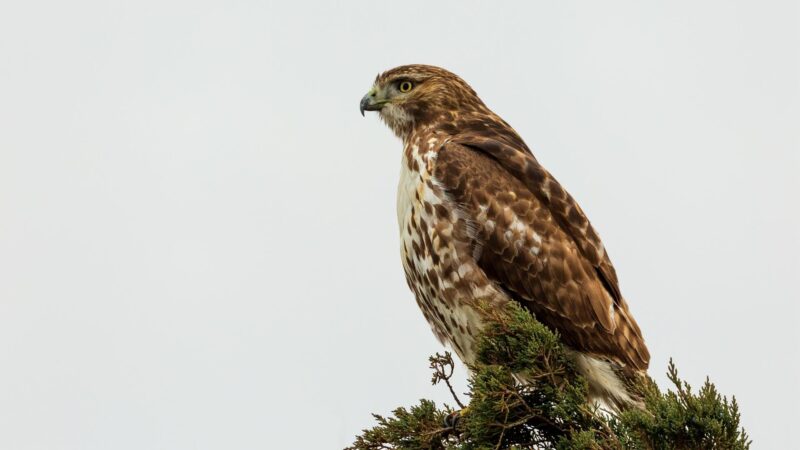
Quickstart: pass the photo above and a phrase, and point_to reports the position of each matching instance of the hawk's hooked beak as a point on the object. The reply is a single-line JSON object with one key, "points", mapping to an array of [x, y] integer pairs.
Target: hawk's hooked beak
{"points": [[370, 102]]}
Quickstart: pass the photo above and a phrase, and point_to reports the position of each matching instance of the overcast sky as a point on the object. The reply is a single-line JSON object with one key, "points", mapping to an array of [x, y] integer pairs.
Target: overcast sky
{"points": [[198, 241]]}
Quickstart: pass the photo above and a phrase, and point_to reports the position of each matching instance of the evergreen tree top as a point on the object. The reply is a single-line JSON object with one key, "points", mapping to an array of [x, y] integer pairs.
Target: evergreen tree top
{"points": [[550, 410]]}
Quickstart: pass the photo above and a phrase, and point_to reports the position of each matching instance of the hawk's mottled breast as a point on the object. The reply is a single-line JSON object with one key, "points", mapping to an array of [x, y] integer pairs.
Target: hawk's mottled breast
{"points": [[438, 249]]}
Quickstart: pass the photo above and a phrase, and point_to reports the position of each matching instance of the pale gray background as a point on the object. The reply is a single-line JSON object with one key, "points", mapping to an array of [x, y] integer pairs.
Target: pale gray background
{"points": [[198, 245]]}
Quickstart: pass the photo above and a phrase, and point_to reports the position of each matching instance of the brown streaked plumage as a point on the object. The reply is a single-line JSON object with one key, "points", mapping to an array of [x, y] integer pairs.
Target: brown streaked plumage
{"points": [[481, 219]]}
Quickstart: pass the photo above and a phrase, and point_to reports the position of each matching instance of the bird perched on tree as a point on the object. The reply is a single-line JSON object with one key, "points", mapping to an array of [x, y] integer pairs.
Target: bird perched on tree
{"points": [[483, 223]]}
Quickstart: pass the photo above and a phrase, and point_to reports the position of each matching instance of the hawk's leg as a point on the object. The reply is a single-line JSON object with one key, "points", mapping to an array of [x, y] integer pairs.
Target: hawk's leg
{"points": [[452, 420]]}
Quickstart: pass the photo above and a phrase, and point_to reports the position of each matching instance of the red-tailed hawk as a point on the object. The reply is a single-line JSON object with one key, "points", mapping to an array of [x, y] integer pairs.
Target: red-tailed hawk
{"points": [[481, 219]]}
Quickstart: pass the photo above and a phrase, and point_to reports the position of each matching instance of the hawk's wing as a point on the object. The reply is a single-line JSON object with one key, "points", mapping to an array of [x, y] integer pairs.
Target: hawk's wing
{"points": [[533, 240]]}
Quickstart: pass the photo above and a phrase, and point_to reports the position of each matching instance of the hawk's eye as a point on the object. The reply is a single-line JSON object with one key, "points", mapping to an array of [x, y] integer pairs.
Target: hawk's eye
{"points": [[405, 86]]}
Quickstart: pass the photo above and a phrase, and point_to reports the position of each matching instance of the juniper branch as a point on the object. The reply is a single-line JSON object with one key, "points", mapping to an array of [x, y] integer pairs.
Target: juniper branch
{"points": [[550, 411]]}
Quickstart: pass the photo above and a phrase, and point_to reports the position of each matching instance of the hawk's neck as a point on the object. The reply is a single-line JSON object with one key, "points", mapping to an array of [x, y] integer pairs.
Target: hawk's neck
{"points": [[421, 146]]}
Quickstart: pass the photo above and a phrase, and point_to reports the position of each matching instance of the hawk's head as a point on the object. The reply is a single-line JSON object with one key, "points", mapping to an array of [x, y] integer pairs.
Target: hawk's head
{"points": [[418, 95]]}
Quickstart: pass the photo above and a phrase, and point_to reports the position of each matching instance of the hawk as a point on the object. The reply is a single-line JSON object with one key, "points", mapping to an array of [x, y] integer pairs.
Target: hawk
{"points": [[481, 220]]}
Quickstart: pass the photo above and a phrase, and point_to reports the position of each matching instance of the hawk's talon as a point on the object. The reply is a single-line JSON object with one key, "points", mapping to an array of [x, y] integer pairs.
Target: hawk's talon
{"points": [[452, 420]]}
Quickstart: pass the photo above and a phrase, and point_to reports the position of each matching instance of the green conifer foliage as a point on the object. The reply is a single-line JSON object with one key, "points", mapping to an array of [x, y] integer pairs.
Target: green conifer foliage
{"points": [[549, 410]]}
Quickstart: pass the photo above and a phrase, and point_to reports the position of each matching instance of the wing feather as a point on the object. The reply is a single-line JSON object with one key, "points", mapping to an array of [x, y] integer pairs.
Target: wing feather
{"points": [[538, 245]]}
